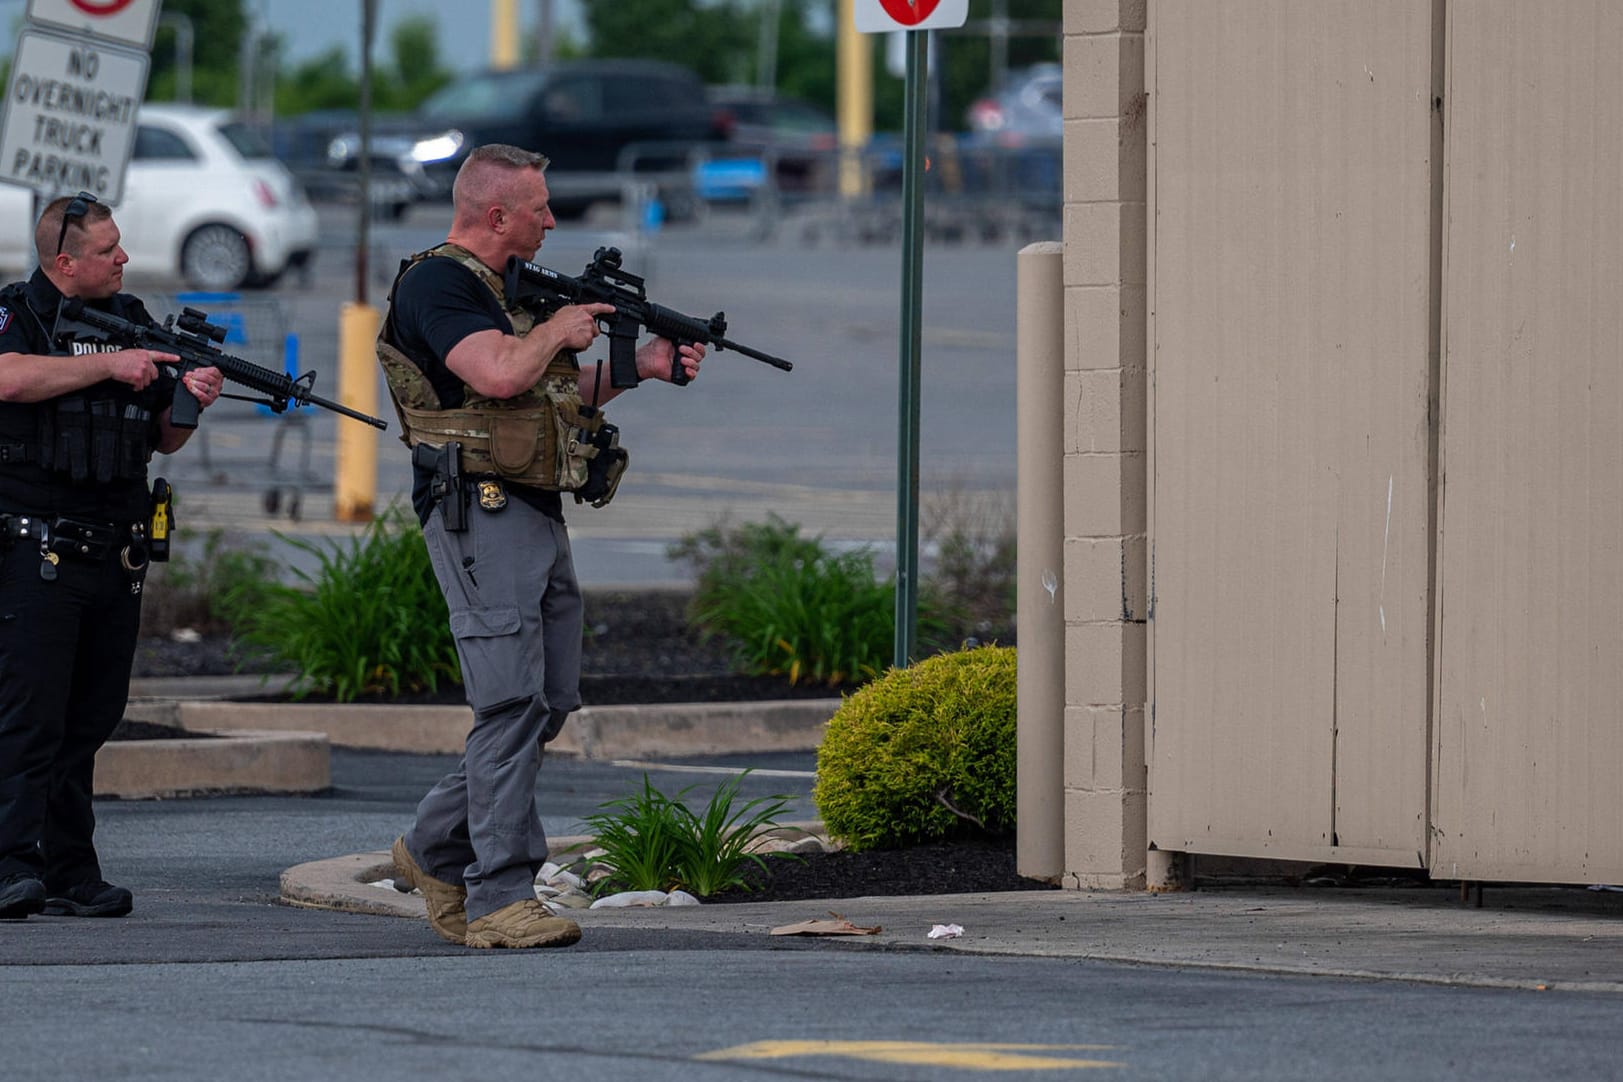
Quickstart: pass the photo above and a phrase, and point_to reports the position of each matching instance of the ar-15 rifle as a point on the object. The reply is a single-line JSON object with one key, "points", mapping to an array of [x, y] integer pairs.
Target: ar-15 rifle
{"points": [[192, 338], [530, 285]]}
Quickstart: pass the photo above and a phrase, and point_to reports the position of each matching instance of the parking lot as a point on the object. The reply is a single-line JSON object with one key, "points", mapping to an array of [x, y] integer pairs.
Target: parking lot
{"points": [[817, 446]]}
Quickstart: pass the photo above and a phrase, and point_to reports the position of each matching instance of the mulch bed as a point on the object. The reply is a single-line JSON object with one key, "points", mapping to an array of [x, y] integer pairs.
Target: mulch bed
{"points": [[958, 867], [638, 648]]}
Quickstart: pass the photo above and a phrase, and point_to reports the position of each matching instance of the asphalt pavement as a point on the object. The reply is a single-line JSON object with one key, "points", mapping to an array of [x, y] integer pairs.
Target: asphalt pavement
{"points": [[212, 878]]}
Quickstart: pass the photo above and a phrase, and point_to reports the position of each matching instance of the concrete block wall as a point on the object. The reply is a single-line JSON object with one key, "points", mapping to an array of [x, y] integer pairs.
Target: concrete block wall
{"points": [[1106, 591]]}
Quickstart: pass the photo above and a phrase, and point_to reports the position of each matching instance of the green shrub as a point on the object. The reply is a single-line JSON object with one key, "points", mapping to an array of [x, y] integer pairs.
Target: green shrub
{"points": [[923, 754], [371, 621], [722, 554], [654, 842], [791, 607]]}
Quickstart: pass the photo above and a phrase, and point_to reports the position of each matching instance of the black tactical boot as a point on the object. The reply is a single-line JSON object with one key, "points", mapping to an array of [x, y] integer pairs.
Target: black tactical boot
{"points": [[20, 895], [93, 899]]}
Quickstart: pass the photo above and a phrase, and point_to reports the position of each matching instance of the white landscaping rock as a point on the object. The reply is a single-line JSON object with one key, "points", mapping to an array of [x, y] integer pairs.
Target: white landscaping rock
{"points": [[628, 898]]}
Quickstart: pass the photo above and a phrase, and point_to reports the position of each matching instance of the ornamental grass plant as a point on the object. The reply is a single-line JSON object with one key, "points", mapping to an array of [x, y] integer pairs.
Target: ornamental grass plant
{"points": [[790, 606], [654, 842], [370, 620]]}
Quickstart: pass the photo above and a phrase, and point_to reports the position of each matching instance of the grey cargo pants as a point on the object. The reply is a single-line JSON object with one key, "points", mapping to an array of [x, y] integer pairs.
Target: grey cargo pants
{"points": [[509, 581]]}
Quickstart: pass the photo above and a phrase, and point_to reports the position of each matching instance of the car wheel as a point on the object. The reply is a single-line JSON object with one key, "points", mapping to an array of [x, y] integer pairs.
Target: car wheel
{"points": [[216, 257]]}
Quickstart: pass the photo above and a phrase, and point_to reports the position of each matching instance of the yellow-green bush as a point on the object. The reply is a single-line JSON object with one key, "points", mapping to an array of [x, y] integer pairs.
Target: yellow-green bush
{"points": [[923, 753]]}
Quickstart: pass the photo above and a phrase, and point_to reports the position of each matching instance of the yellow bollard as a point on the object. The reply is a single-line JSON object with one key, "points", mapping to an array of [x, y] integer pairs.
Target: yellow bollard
{"points": [[854, 99], [355, 479], [504, 34]]}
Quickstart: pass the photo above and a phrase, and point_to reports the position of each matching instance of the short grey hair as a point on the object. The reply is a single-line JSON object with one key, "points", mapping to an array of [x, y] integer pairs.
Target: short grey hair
{"points": [[476, 182]]}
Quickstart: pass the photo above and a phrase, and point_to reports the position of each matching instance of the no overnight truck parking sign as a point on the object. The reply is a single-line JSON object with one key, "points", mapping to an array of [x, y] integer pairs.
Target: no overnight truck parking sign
{"points": [[78, 75]]}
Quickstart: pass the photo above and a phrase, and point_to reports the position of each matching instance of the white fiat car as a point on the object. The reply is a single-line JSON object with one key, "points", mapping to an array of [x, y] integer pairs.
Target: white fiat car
{"points": [[205, 201]]}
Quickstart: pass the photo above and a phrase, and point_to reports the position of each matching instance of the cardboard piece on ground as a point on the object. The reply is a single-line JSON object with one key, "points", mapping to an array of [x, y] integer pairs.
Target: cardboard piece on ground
{"points": [[838, 926]]}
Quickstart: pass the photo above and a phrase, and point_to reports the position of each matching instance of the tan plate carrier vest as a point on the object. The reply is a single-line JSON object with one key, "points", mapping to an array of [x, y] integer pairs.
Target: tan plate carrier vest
{"points": [[539, 438]]}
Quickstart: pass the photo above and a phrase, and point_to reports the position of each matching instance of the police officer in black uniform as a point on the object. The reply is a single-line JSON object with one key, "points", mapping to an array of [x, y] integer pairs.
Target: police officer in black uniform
{"points": [[78, 422]]}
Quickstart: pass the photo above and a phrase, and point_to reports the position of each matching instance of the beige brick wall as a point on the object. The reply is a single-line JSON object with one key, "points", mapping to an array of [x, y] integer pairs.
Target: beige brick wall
{"points": [[1105, 505]]}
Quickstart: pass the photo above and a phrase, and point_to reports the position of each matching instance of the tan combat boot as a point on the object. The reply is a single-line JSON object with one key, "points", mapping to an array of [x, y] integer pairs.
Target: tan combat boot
{"points": [[447, 904], [522, 924]]}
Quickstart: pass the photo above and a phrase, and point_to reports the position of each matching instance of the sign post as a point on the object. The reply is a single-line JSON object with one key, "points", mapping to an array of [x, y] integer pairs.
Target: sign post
{"points": [[883, 16]]}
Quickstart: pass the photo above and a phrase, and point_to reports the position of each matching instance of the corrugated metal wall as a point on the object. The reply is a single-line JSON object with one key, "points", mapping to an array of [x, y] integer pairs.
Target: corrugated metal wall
{"points": [[1334, 259], [1529, 738], [1291, 331]]}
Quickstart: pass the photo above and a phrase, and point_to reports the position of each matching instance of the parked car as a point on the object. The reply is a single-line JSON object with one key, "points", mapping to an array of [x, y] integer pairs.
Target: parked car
{"points": [[590, 117], [305, 144], [1013, 148], [798, 136], [1026, 108], [204, 200]]}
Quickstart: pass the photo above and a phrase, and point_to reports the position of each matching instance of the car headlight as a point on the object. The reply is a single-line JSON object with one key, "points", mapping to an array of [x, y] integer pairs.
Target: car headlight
{"points": [[437, 148], [342, 149]]}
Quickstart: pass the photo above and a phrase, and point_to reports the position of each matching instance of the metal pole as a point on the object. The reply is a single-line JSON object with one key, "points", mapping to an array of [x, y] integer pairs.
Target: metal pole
{"points": [[545, 34], [907, 480], [363, 241], [183, 52], [766, 75]]}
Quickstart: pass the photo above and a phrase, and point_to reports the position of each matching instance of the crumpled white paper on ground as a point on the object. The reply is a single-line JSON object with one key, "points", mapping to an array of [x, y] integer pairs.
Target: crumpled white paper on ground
{"points": [[946, 931]]}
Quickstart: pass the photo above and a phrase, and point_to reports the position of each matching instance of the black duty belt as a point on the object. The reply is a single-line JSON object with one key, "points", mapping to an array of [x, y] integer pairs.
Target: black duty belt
{"points": [[83, 539], [86, 540], [11, 451]]}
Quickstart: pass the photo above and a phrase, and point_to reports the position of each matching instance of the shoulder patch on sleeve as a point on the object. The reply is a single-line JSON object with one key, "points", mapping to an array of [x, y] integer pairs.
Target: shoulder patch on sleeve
{"points": [[5, 318]]}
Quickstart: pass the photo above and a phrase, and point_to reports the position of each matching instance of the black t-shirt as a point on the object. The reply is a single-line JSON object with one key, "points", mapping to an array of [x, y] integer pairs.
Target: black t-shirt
{"points": [[436, 304], [27, 315]]}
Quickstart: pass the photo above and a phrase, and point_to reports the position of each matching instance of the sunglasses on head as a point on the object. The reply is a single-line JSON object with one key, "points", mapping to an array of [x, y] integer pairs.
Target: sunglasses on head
{"points": [[76, 209]]}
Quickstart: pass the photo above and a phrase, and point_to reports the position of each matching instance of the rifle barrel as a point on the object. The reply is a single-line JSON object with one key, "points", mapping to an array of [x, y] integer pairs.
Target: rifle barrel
{"points": [[764, 358], [339, 407]]}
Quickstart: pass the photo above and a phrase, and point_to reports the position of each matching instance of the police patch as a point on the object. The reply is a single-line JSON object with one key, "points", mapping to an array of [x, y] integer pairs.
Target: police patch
{"points": [[5, 319]]}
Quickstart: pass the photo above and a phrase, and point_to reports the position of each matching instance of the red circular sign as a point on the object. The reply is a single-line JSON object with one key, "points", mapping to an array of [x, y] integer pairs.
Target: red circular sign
{"points": [[906, 12], [101, 7]]}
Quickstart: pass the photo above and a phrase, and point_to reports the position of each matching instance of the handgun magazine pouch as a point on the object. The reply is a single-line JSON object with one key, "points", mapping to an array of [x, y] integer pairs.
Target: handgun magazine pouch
{"points": [[541, 438]]}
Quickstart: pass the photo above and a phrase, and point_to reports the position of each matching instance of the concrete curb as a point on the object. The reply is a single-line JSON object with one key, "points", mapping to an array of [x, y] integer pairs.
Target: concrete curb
{"points": [[280, 747], [245, 761], [597, 732]]}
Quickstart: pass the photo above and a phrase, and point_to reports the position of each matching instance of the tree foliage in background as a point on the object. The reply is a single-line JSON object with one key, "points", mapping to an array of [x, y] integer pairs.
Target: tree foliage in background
{"points": [[409, 70], [716, 39], [217, 29], [719, 39], [961, 73]]}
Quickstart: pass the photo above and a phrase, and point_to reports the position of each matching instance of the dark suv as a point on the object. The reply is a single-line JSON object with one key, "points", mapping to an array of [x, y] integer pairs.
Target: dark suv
{"points": [[591, 117]]}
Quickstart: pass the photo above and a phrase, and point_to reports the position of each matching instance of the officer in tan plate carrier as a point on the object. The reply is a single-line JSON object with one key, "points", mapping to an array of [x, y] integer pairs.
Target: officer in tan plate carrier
{"points": [[501, 422]]}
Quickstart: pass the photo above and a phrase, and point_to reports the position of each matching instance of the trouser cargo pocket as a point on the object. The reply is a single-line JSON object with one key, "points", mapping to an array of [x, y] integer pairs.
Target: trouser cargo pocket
{"points": [[493, 671]]}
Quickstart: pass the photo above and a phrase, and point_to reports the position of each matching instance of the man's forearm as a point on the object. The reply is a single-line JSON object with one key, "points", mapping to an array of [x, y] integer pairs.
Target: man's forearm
{"points": [[28, 377]]}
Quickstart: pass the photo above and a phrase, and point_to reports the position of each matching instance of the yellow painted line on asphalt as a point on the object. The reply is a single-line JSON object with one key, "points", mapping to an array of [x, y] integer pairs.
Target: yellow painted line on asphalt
{"points": [[966, 1057], [678, 768]]}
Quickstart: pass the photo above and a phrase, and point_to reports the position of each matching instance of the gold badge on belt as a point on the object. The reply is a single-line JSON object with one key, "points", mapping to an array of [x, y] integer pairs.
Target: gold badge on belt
{"points": [[492, 497]]}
